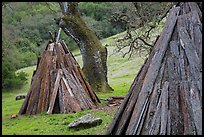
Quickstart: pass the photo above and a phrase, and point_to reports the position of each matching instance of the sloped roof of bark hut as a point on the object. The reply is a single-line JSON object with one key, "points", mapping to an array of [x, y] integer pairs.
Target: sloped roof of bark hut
{"points": [[166, 95], [58, 84]]}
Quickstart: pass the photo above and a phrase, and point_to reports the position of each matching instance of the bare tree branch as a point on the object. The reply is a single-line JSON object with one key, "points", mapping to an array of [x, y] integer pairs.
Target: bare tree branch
{"points": [[147, 20]]}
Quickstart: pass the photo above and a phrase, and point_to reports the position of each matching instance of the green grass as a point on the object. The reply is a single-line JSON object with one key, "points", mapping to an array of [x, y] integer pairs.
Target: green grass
{"points": [[9, 104], [55, 124], [121, 73]]}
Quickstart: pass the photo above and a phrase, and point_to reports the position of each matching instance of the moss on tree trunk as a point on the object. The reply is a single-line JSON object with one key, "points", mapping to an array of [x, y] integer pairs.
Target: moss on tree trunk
{"points": [[94, 55]]}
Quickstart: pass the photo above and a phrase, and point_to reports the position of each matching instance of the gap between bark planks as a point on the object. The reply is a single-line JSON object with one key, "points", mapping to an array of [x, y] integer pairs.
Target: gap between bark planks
{"points": [[54, 93], [61, 96], [53, 74], [143, 115]]}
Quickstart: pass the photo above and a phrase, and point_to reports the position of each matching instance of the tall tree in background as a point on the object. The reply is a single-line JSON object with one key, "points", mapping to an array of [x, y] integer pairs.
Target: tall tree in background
{"points": [[94, 55]]}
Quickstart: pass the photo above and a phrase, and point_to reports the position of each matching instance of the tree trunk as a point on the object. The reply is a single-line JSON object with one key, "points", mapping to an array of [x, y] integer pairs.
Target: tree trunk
{"points": [[94, 55]]}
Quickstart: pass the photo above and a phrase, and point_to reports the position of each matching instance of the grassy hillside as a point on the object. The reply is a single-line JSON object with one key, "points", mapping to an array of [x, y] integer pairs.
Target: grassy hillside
{"points": [[121, 73]]}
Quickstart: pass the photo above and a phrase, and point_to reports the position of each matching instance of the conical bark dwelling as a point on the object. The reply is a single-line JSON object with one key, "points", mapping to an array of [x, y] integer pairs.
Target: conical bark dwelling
{"points": [[166, 95], [58, 84]]}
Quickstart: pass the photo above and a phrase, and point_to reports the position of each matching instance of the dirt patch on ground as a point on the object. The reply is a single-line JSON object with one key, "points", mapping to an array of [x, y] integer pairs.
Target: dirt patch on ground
{"points": [[106, 108], [112, 104]]}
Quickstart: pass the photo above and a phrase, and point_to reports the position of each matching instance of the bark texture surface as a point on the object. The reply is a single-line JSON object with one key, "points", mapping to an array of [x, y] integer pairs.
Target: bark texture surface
{"points": [[166, 95], [94, 55], [58, 84]]}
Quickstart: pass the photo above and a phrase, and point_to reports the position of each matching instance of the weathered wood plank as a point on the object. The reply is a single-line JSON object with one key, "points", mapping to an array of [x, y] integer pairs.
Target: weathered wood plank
{"points": [[182, 64], [164, 109], [59, 54], [194, 7], [139, 126], [196, 107], [196, 33], [72, 103], [175, 116], [159, 113], [152, 108], [32, 106], [66, 50], [194, 62], [185, 8], [154, 128], [168, 130], [67, 86], [77, 92], [44, 84], [191, 54], [186, 109]]}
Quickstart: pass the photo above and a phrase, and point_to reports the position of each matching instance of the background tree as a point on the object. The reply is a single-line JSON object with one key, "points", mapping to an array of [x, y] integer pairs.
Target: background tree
{"points": [[28, 25], [25, 27], [140, 20], [94, 55]]}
